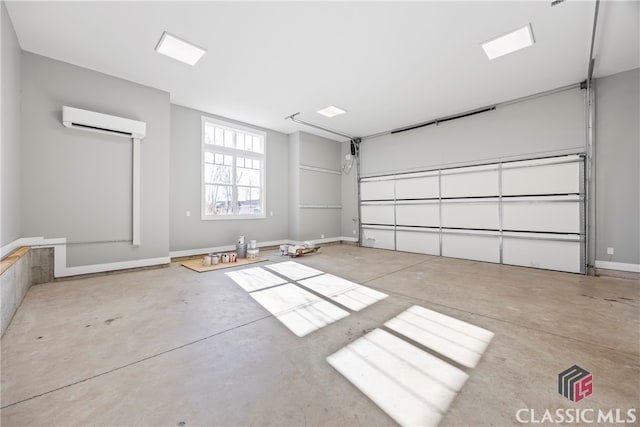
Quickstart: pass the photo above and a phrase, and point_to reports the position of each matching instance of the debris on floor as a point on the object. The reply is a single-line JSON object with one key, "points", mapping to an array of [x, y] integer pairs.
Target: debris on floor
{"points": [[298, 250]]}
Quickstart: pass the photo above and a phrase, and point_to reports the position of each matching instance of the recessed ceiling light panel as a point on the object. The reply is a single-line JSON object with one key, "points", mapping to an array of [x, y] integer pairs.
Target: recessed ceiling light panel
{"points": [[331, 111], [179, 49], [508, 43]]}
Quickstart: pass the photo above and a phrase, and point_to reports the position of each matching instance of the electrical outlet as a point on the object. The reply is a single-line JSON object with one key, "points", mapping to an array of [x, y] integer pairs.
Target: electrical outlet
{"points": [[188, 213], [271, 213], [353, 231], [609, 251], [322, 236]]}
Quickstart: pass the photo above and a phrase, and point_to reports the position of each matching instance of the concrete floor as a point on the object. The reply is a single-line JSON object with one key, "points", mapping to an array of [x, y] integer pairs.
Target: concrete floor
{"points": [[173, 347]]}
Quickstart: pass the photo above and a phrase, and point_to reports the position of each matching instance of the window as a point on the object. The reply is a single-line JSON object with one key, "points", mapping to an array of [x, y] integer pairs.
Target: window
{"points": [[233, 167]]}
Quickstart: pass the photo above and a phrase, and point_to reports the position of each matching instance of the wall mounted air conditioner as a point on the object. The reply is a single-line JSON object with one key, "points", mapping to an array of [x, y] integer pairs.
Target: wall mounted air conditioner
{"points": [[76, 118], [97, 122]]}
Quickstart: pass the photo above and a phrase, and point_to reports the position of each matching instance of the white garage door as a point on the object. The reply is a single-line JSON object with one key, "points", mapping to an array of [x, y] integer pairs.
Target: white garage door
{"points": [[528, 213]]}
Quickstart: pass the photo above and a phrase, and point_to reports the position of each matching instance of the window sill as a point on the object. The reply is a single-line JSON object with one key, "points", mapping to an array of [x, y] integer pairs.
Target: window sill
{"points": [[232, 217]]}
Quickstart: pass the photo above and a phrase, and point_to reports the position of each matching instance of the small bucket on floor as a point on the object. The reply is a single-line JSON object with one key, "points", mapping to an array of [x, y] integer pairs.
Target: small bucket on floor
{"points": [[241, 249]]}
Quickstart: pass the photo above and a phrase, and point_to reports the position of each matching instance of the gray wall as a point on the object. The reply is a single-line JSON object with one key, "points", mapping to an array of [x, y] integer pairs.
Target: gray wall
{"points": [[192, 232], [548, 124], [10, 73], [617, 168], [319, 188], [77, 184]]}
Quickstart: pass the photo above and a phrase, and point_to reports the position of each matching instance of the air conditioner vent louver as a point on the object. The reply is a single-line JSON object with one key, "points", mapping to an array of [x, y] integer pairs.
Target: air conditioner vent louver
{"points": [[79, 125], [104, 123]]}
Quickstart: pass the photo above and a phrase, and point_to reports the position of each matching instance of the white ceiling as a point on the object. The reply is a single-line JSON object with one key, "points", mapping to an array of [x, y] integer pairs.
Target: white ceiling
{"points": [[389, 64]]}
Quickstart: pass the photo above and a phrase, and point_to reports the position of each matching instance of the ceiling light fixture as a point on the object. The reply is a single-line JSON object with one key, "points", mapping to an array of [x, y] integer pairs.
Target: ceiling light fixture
{"points": [[179, 49], [508, 43], [331, 111]]}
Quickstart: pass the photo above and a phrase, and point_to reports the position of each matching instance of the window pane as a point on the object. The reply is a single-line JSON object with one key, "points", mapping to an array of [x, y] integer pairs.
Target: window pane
{"points": [[228, 160], [248, 175], [249, 201], [218, 159], [208, 134], [217, 174], [219, 139], [255, 198], [208, 157], [240, 140], [228, 139], [247, 143], [257, 144], [218, 200]]}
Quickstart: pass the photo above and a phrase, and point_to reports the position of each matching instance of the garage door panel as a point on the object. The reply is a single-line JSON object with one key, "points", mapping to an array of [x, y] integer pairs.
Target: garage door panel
{"points": [[425, 187], [377, 214], [541, 215], [426, 215], [539, 253], [471, 214], [377, 190], [480, 247], [470, 182], [420, 242], [378, 238], [562, 178]]}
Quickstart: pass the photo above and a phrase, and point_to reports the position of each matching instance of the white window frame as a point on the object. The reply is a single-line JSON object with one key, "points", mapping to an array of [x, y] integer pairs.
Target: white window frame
{"points": [[235, 152]]}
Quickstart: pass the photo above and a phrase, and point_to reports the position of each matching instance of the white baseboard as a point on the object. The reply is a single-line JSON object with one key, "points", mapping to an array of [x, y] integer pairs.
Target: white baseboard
{"points": [[200, 251], [60, 268], [326, 240], [213, 249], [621, 266], [60, 254], [112, 266]]}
